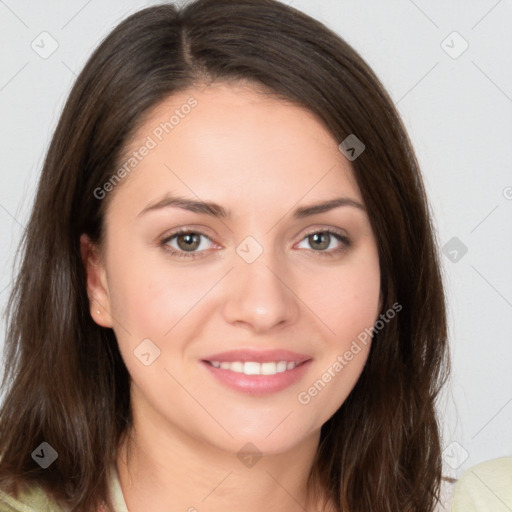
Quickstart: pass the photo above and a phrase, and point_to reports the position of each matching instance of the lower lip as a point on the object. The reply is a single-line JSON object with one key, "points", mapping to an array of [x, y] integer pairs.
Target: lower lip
{"points": [[258, 384]]}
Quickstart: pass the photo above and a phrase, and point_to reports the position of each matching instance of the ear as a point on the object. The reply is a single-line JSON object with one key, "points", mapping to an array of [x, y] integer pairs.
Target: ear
{"points": [[97, 287]]}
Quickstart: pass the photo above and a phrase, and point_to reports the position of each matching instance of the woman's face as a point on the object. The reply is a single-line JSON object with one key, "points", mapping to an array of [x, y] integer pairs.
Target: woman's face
{"points": [[257, 280]]}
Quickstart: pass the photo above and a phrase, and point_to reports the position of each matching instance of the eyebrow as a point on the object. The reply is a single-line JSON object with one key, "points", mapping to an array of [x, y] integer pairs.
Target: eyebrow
{"points": [[216, 210]]}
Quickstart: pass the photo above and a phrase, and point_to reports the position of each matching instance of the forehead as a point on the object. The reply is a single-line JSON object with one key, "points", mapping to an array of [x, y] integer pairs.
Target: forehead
{"points": [[221, 140]]}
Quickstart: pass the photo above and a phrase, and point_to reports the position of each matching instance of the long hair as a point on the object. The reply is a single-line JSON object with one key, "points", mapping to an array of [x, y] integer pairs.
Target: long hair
{"points": [[65, 382]]}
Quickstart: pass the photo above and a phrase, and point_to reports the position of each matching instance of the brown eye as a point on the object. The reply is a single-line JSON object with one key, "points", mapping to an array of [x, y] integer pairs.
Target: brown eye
{"points": [[184, 244], [320, 241], [188, 241]]}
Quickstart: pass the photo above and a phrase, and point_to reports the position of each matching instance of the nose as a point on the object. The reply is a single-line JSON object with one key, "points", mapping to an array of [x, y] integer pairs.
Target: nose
{"points": [[260, 295]]}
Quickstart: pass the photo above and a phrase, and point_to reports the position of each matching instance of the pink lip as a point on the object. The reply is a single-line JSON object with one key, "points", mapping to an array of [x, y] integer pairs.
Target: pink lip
{"points": [[259, 356], [257, 384]]}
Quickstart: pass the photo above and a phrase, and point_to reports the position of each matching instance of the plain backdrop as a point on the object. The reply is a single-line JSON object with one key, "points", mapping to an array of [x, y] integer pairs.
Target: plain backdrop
{"points": [[447, 68]]}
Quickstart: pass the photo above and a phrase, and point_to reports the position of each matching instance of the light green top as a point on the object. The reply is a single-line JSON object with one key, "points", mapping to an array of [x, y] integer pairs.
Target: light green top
{"points": [[37, 500], [486, 487]]}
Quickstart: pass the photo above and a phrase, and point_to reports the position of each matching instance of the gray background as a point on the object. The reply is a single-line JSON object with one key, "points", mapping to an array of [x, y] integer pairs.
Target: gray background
{"points": [[456, 105]]}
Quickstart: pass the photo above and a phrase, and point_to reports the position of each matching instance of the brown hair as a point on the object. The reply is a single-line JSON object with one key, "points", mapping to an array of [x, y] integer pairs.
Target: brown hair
{"points": [[66, 382]]}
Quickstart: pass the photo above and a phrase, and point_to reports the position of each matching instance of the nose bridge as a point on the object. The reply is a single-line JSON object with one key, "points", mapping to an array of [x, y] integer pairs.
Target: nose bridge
{"points": [[259, 294]]}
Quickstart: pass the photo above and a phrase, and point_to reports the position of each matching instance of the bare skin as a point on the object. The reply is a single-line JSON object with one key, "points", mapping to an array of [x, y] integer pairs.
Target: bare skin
{"points": [[261, 158]]}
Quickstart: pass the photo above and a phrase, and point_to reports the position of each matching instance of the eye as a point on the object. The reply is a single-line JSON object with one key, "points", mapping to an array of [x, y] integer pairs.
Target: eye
{"points": [[321, 240], [187, 243]]}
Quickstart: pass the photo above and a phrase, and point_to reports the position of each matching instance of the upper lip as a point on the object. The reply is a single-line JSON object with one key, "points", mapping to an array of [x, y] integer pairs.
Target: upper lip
{"points": [[259, 356]]}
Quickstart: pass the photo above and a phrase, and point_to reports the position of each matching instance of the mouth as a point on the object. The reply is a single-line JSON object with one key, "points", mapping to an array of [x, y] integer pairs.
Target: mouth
{"points": [[256, 372]]}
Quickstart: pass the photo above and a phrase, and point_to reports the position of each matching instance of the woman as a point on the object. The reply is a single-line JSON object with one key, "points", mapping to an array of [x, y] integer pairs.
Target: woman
{"points": [[230, 296]]}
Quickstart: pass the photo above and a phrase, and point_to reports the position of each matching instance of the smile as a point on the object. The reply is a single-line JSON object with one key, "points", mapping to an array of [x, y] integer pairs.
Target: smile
{"points": [[255, 378]]}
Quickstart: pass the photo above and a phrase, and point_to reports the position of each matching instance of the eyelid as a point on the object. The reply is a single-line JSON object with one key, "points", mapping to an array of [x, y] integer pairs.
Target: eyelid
{"points": [[316, 229], [200, 230]]}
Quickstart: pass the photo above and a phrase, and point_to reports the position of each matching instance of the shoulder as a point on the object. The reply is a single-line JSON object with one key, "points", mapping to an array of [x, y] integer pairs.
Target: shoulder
{"points": [[32, 500], [485, 487], [35, 499]]}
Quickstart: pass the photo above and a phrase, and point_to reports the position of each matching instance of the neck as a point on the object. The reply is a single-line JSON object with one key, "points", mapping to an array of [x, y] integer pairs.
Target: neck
{"points": [[162, 468]]}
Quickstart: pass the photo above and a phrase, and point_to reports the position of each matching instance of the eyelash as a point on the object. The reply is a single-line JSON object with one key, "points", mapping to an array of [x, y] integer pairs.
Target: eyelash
{"points": [[192, 255]]}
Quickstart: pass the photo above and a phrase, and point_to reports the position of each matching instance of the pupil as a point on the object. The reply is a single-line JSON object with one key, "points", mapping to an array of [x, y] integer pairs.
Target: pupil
{"points": [[317, 238], [190, 242]]}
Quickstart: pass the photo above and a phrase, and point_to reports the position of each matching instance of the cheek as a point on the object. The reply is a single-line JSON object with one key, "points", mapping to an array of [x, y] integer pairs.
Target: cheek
{"points": [[348, 300], [349, 306], [148, 296]]}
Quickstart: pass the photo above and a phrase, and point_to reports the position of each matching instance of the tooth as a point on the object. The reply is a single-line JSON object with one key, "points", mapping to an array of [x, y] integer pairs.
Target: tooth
{"points": [[268, 368], [252, 368], [281, 366], [255, 368], [237, 367]]}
